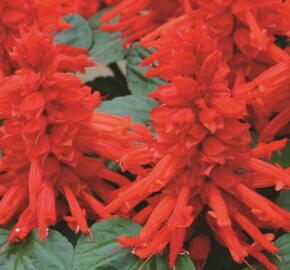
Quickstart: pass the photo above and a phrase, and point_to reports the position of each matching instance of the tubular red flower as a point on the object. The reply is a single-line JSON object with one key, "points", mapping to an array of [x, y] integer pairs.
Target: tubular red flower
{"points": [[22, 14], [49, 116], [254, 232], [248, 26], [201, 155]]}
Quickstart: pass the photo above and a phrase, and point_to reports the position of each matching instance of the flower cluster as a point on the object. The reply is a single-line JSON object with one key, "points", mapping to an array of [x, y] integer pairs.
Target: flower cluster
{"points": [[225, 75], [51, 138], [22, 14]]}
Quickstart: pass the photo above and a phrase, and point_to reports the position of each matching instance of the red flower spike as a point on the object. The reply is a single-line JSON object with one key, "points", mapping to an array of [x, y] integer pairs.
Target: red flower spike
{"points": [[49, 128], [17, 15], [201, 157], [202, 154]]}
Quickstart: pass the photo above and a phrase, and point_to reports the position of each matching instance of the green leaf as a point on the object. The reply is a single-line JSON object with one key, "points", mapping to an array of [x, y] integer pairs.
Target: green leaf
{"points": [[80, 35], [105, 253], [55, 253], [156, 263], [107, 47], [284, 199], [95, 20], [284, 158], [184, 262], [160, 262], [139, 84], [283, 243], [135, 106], [70, 235]]}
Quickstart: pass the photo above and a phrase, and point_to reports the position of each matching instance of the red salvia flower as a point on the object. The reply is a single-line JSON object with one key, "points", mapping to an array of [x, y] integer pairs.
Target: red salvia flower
{"points": [[244, 32], [49, 130], [225, 74], [22, 14], [202, 158]]}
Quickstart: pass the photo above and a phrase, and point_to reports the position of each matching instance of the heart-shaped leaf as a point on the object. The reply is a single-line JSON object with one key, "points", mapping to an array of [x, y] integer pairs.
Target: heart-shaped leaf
{"points": [[105, 253], [55, 253]]}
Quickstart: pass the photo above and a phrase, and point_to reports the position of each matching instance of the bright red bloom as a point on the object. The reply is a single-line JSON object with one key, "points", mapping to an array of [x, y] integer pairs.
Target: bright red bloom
{"points": [[244, 32], [22, 14], [202, 158], [48, 134]]}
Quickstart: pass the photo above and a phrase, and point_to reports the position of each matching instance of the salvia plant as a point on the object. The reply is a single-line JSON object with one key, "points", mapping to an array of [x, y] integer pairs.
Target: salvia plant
{"points": [[176, 157]]}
